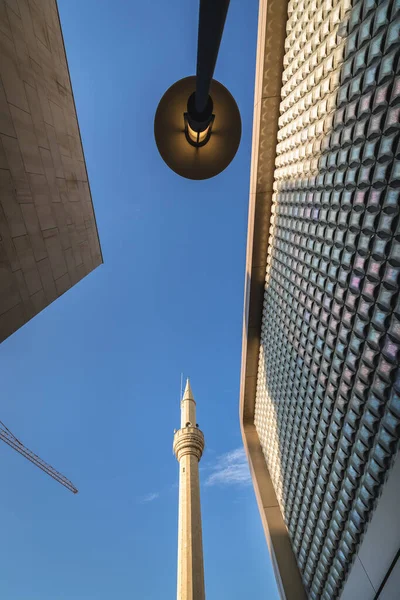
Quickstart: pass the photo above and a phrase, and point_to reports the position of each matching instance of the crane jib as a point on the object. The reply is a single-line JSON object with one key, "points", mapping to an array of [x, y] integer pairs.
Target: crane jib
{"points": [[13, 442]]}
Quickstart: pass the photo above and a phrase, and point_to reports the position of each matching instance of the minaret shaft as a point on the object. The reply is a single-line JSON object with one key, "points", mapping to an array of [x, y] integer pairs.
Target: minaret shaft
{"points": [[188, 447], [188, 412], [190, 546]]}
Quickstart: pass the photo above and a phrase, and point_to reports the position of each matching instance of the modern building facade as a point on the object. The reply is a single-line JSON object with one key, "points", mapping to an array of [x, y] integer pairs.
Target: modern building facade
{"points": [[188, 449], [48, 233], [320, 383]]}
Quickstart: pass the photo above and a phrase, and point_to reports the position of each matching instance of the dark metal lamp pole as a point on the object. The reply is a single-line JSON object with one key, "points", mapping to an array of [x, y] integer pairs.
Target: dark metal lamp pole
{"points": [[212, 18], [199, 116]]}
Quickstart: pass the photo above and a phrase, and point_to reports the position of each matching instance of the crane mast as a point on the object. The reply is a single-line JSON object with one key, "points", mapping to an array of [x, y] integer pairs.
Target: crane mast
{"points": [[13, 442]]}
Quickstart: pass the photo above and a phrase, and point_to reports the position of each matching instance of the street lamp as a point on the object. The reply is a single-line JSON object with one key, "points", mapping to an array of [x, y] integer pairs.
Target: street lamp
{"points": [[197, 126]]}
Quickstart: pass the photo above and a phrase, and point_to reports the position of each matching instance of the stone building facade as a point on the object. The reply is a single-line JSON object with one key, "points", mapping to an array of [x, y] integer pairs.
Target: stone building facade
{"points": [[48, 233], [320, 388]]}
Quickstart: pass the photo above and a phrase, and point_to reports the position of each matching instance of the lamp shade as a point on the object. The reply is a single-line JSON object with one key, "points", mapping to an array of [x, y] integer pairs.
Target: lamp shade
{"points": [[169, 129]]}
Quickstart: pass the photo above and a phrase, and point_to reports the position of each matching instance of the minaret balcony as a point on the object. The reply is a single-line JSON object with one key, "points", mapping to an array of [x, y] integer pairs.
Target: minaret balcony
{"points": [[188, 440]]}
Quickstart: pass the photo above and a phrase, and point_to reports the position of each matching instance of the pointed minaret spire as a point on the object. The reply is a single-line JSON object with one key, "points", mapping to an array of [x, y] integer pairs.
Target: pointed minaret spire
{"points": [[188, 394], [188, 448], [188, 407]]}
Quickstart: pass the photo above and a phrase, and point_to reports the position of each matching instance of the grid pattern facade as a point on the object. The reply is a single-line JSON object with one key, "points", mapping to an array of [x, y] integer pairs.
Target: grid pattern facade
{"points": [[48, 234], [328, 393]]}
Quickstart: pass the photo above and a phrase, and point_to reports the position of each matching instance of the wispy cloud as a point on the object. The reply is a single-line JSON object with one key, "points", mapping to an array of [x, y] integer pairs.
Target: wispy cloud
{"points": [[149, 497], [230, 468]]}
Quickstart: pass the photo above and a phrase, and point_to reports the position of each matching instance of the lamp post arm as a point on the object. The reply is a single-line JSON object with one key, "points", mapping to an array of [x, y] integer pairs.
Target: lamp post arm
{"points": [[211, 26]]}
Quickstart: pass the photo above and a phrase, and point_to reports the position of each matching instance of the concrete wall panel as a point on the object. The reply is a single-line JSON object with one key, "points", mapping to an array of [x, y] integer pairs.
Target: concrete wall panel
{"points": [[48, 233]]}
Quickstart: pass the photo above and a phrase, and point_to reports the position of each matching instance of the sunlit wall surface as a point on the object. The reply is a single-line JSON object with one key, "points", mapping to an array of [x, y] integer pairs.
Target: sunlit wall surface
{"points": [[48, 234], [328, 393]]}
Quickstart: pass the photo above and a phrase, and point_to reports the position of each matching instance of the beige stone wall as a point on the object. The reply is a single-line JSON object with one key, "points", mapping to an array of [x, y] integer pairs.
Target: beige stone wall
{"points": [[48, 234]]}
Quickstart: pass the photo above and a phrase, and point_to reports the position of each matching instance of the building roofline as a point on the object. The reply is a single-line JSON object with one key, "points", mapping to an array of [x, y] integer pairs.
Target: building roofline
{"points": [[79, 131]]}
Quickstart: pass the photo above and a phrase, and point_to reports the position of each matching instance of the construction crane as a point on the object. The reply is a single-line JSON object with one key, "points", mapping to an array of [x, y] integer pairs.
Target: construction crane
{"points": [[11, 440]]}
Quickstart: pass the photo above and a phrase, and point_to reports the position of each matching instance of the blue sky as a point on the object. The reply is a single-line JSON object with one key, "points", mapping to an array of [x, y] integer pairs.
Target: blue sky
{"points": [[92, 383]]}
